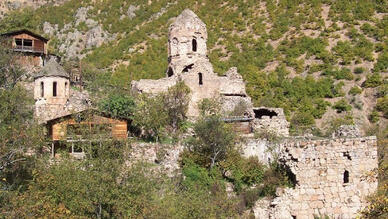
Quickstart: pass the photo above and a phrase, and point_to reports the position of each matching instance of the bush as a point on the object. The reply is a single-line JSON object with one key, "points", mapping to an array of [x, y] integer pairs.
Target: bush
{"points": [[242, 172], [382, 105], [373, 80], [118, 105], [342, 106], [373, 116], [359, 70], [213, 139], [355, 90]]}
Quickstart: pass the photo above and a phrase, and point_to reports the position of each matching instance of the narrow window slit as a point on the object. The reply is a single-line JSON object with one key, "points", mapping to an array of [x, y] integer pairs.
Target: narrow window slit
{"points": [[194, 44], [41, 89], [54, 89], [200, 79], [346, 176]]}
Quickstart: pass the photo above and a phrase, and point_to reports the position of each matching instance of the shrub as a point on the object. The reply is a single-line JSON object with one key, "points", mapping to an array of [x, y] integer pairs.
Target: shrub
{"points": [[242, 172], [342, 106], [382, 63], [373, 116], [373, 80], [118, 105], [382, 105], [355, 90], [359, 70], [213, 139]]}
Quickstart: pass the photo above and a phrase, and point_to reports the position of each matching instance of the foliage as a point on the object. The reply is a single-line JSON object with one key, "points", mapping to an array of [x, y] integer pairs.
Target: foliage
{"points": [[342, 106], [213, 139], [118, 105], [176, 102], [156, 115], [209, 107], [373, 80], [355, 90], [333, 124], [95, 187], [150, 115], [242, 172], [382, 105]]}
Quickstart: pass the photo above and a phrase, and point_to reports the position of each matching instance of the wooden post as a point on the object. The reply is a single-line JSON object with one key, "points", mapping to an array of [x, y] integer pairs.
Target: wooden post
{"points": [[52, 150]]}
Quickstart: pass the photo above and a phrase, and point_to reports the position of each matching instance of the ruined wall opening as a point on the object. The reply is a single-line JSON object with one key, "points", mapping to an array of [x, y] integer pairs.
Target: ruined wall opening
{"points": [[200, 79], [194, 45], [259, 113], [41, 89], [66, 87], [54, 89], [170, 72], [187, 68], [346, 176]]}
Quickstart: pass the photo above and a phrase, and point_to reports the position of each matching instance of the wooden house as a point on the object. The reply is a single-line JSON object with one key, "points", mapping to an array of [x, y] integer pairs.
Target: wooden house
{"points": [[32, 47], [70, 132]]}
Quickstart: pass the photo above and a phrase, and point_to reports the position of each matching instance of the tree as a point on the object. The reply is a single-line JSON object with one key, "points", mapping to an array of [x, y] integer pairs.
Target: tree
{"points": [[118, 105], [176, 102], [18, 132], [156, 114], [150, 115], [213, 139]]}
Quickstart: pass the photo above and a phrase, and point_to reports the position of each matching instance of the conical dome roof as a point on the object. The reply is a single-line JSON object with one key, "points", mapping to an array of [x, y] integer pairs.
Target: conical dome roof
{"points": [[52, 68], [188, 21]]}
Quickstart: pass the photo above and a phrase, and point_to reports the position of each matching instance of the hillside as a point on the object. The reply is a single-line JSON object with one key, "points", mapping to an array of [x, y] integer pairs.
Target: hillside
{"points": [[325, 62]]}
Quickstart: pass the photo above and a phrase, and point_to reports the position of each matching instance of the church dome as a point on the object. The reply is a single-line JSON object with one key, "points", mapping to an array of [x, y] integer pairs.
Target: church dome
{"points": [[188, 22], [52, 68]]}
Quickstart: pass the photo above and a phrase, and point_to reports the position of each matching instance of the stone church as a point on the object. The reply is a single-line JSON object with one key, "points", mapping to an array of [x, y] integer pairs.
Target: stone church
{"points": [[188, 62]]}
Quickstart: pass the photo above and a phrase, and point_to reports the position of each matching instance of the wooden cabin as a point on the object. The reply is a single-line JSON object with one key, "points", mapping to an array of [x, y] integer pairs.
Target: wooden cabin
{"points": [[33, 47], [71, 131]]}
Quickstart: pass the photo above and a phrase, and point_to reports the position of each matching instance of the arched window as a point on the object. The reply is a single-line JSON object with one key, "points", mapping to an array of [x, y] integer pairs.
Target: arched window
{"points": [[346, 176], [170, 72], [41, 89], [194, 45], [54, 89], [200, 78]]}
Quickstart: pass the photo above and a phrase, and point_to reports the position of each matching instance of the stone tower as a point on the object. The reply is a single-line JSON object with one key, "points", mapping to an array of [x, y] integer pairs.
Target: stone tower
{"points": [[186, 43], [51, 90]]}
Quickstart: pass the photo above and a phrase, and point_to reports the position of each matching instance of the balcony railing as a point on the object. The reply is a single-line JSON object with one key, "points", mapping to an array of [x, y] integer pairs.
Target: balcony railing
{"points": [[19, 48]]}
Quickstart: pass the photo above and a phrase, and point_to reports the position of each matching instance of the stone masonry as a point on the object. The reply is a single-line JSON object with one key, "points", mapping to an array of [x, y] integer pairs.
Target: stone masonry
{"points": [[333, 177], [271, 120], [188, 62], [53, 94]]}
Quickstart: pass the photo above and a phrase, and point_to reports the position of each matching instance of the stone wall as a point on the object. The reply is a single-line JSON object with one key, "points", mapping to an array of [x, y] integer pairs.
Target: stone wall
{"points": [[166, 156], [270, 120], [333, 177]]}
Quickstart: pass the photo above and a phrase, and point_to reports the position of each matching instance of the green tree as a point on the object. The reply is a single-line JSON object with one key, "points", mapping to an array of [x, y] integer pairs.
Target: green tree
{"points": [[118, 105], [176, 102], [213, 139]]}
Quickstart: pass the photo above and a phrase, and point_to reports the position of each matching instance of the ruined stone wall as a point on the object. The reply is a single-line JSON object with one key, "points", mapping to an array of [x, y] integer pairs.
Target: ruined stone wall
{"points": [[323, 186], [275, 123]]}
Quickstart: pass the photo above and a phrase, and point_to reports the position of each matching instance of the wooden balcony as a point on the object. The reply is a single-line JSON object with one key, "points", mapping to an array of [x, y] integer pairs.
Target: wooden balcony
{"points": [[19, 48]]}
